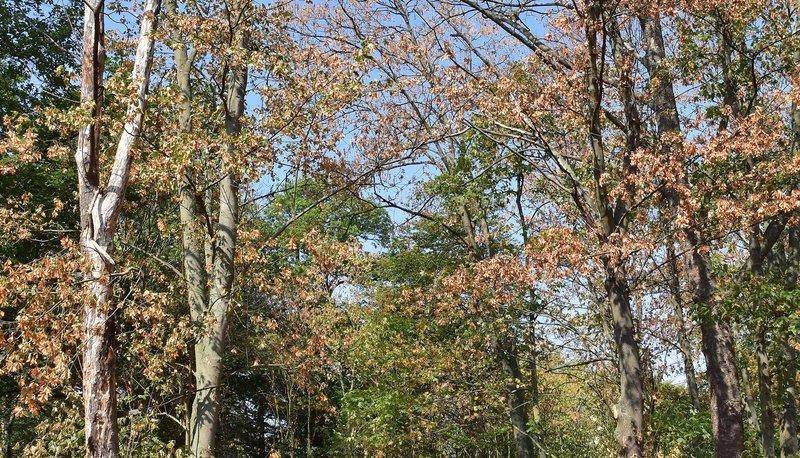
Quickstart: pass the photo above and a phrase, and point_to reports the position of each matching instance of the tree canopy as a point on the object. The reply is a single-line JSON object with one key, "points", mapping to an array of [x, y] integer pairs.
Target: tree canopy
{"points": [[458, 228]]}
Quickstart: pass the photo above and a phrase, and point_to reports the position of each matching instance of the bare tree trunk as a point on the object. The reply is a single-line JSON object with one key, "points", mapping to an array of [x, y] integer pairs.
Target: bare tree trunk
{"points": [[788, 436], [5, 433], [749, 401], [194, 271], [191, 225], [506, 354], [726, 404], [717, 345], [683, 341], [765, 425], [534, 368], [630, 414], [788, 433], [630, 421], [209, 348], [532, 316], [99, 210], [765, 396], [630, 418], [505, 349]]}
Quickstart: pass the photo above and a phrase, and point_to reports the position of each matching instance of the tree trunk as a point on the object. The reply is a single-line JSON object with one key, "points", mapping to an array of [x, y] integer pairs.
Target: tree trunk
{"points": [[191, 225], [683, 341], [506, 355], [7, 425], [99, 211], [505, 349], [534, 368], [210, 345], [630, 413], [749, 402], [788, 437], [765, 396], [766, 426], [533, 309], [99, 384], [629, 430], [726, 404], [194, 271]]}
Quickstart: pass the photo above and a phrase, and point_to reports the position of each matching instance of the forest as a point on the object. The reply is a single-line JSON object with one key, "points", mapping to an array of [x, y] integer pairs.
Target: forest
{"points": [[399, 228]]}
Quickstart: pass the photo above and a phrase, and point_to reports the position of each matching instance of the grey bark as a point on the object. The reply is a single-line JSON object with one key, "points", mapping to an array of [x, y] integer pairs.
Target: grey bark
{"points": [[765, 396], [630, 414], [194, 272], [7, 425], [505, 350], [717, 344], [683, 340], [749, 401], [209, 349], [209, 304], [788, 424], [765, 424], [727, 424], [99, 210], [532, 316], [191, 225], [630, 407], [596, 210], [506, 354]]}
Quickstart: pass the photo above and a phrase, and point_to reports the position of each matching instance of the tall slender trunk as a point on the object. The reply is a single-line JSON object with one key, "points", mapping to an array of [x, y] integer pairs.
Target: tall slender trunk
{"points": [[683, 340], [749, 401], [630, 413], [717, 344], [765, 425], [532, 317], [630, 418], [536, 438], [193, 255], [765, 396], [726, 404], [506, 354], [788, 433], [505, 349], [5, 434], [99, 382], [99, 211], [788, 425], [191, 225], [209, 348]]}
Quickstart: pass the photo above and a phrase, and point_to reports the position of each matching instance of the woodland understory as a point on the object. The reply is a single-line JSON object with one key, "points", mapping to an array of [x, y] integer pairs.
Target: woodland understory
{"points": [[399, 228]]}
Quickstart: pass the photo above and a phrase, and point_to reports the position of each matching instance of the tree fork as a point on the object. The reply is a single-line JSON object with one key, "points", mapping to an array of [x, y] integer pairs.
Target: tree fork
{"points": [[99, 211]]}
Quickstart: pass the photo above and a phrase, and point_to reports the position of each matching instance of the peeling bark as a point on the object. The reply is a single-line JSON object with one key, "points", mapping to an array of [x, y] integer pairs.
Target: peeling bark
{"points": [[99, 210]]}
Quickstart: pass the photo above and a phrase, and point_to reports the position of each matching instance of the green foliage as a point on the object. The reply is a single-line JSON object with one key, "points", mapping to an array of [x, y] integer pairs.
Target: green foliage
{"points": [[38, 46], [677, 429], [313, 204]]}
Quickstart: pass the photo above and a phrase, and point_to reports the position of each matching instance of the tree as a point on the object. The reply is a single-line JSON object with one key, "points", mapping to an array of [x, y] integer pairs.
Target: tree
{"points": [[100, 208]]}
